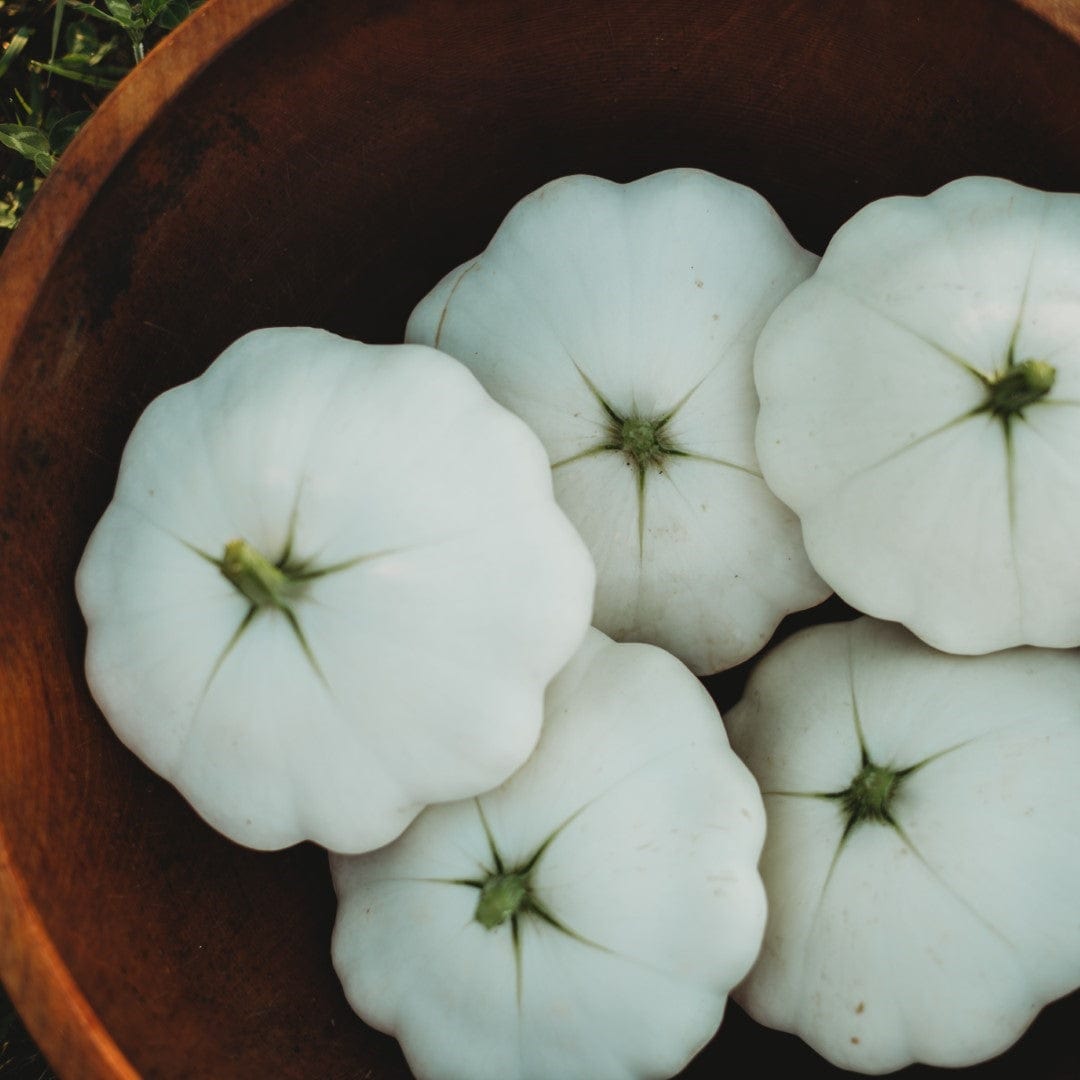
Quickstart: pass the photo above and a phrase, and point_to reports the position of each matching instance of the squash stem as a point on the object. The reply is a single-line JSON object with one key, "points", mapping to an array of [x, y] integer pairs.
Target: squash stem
{"points": [[1019, 386], [502, 896], [263, 583]]}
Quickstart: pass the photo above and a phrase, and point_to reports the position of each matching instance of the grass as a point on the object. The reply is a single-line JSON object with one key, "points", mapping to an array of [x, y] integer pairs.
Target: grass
{"points": [[58, 61]]}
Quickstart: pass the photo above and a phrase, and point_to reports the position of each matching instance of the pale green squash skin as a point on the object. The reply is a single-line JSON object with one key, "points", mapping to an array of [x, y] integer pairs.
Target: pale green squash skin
{"points": [[587, 919], [920, 412], [331, 588], [619, 321], [923, 853]]}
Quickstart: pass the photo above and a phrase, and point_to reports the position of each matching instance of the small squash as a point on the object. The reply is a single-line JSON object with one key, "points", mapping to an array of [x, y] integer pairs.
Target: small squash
{"points": [[331, 588], [920, 411], [923, 853], [619, 321], [585, 920]]}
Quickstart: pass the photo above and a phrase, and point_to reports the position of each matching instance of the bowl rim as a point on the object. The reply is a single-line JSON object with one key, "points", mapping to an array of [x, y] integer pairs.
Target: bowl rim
{"points": [[41, 987], [39, 983], [103, 142], [1063, 15]]}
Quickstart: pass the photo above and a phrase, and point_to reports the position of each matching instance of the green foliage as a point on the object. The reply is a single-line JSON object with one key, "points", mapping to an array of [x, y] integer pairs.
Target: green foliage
{"points": [[59, 59], [136, 20]]}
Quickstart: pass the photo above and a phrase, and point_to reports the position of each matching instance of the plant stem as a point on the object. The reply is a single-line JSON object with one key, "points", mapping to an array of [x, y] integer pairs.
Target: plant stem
{"points": [[1020, 386], [501, 897], [263, 583]]}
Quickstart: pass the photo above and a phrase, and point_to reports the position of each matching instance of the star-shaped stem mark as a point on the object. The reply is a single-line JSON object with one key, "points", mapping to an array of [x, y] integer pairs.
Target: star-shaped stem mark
{"points": [[646, 442], [506, 894], [869, 799], [277, 586], [1018, 385]]}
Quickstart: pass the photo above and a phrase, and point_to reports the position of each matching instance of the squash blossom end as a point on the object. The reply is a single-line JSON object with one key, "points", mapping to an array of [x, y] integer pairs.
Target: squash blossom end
{"points": [[263, 583], [1019, 386]]}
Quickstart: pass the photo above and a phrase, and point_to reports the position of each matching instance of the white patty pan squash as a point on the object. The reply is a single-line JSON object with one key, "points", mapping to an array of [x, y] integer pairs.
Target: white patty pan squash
{"points": [[619, 321], [923, 854], [584, 921], [331, 588], [920, 410]]}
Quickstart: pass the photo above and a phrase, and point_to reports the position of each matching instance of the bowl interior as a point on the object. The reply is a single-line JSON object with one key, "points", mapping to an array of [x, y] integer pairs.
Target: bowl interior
{"points": [[326, 171]]}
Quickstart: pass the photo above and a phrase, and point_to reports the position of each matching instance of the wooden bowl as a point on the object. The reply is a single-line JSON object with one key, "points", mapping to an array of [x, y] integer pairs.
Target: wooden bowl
{"points": [[324, 163]]}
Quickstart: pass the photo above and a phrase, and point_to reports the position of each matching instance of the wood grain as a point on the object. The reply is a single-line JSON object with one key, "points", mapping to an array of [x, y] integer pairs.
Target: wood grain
{"points": [[98, 147], [36, 976], [321, 163], [1063, 14]]}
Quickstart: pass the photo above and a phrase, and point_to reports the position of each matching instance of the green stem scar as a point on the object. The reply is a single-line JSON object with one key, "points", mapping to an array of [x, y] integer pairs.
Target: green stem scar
{"points": [[263, 583], [870, 794], [267, 586], [276, 587], [643, 441], [1018, 386], [506, 895], [502, 896]]}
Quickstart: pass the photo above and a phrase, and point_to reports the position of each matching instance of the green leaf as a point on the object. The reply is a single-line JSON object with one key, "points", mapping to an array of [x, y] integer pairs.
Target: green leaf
{"points": [[79, 73], [84, 47], [62, 129], [30, 142], [89, 9], [14, 203], [14, 47], [26, 107], [81, 37], [173, 14], [36, 92], [100, 53], [122, 12], [58, 17], [24, 139]]}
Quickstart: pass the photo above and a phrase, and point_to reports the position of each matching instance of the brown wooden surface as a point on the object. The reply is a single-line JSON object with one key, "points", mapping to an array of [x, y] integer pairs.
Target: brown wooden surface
{"points": [[1063, 14], [326, 169], [35, 973]]}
